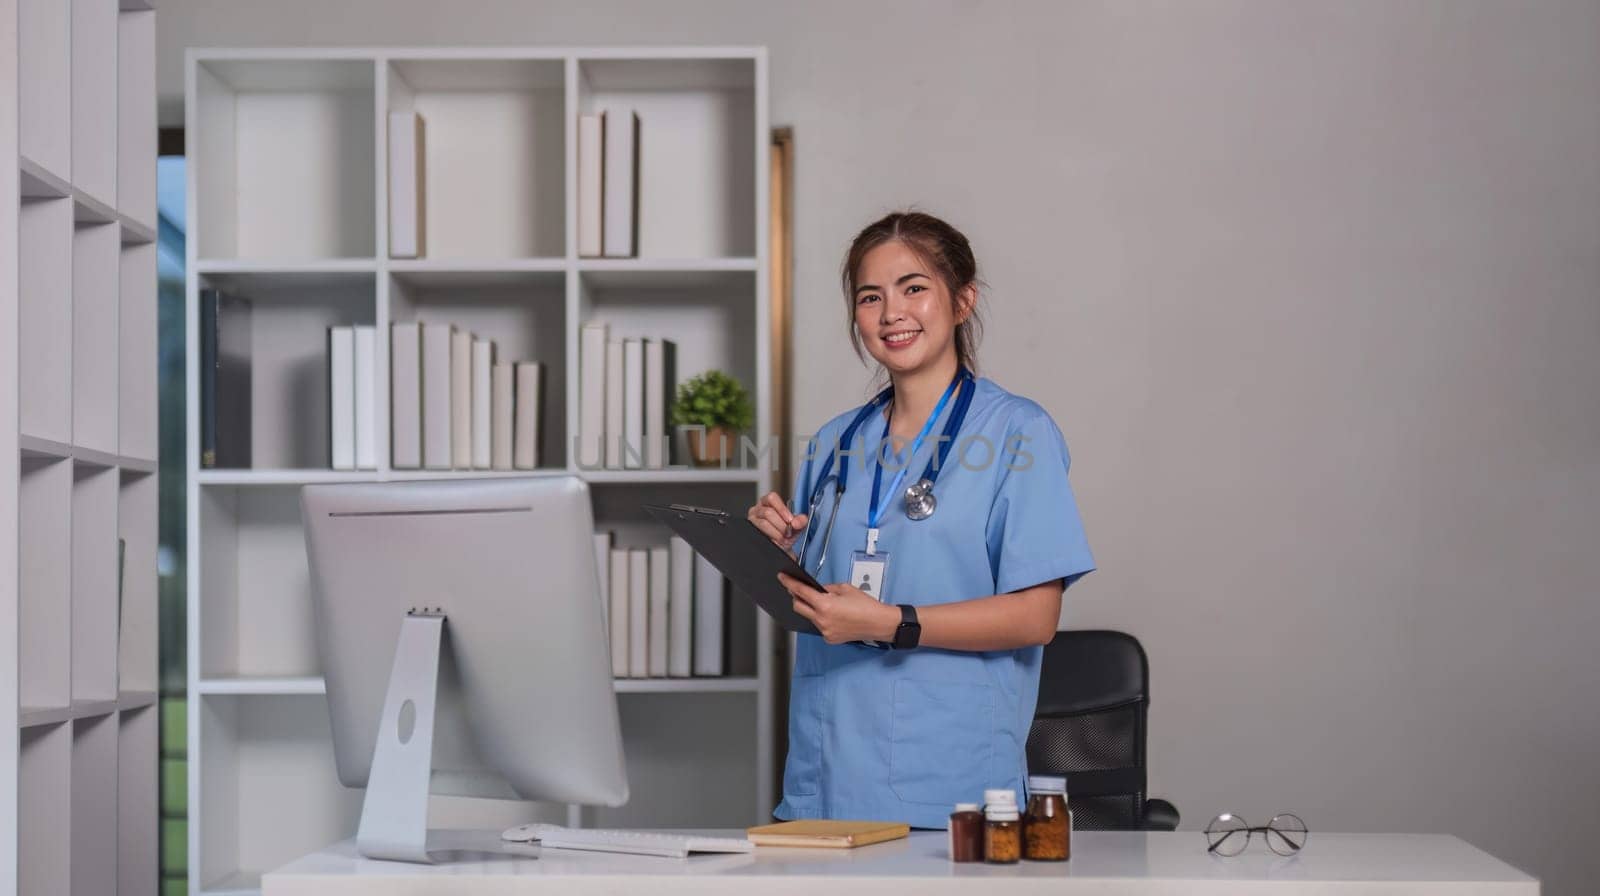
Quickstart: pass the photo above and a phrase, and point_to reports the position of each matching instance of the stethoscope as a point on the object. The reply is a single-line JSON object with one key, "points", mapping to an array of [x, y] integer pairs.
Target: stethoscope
{"points": [[919, 500]]}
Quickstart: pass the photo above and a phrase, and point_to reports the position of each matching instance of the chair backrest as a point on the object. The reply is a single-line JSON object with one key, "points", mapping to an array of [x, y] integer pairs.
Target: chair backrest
{"points": [[1090, 726]]}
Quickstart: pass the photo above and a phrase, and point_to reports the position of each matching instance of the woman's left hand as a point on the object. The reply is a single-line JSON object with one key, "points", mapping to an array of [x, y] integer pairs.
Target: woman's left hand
{"points": [[843, 612]]}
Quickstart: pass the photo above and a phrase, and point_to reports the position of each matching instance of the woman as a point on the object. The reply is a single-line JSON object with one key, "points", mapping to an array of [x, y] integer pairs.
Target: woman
{"points": [[953, 535]]}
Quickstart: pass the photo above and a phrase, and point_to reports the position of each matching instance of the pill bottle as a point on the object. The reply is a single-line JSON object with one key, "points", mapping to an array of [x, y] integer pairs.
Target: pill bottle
{"points": [[1046, 828], [966, 833], [1002, 827]]}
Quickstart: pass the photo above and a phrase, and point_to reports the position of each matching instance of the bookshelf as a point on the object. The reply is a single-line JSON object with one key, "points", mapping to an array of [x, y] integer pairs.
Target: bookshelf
{"points": [[289, 208], [78, 807]]}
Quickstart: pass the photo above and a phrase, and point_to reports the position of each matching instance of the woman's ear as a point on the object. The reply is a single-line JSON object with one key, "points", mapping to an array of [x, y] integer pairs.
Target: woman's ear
{"points": [[966, 302]]}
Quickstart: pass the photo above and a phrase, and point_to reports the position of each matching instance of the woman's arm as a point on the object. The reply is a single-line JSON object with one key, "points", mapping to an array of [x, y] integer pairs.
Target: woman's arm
{"points": [[1022, 618]]}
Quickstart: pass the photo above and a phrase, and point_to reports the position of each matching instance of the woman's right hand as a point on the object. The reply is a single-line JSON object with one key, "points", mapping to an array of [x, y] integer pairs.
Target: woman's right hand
{"points": [[775, 521]]}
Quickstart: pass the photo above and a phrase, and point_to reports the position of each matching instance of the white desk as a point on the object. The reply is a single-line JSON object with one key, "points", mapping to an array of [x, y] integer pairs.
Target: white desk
{"points": [[1123, 864]]}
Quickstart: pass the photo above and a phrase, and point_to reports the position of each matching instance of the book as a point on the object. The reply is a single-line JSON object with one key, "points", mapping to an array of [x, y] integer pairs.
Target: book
{"points": [[503, 397], [621, 194], [436, 370], [482, 365], [633, 403], [461, 399], [406, 194], [530, 390], [708, 609], [827, 833], [660, 381], [366, 405], [602, 566], [613, 382], [638, 613], [680, 609], [660, 591], [591, 183], [591, 442], [225, 415], [405, 395], [342, 398], [618, 582]]}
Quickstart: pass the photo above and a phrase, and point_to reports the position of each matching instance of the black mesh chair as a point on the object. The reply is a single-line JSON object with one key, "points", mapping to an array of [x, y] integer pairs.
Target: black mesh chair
{"points": [[1094, 696]]}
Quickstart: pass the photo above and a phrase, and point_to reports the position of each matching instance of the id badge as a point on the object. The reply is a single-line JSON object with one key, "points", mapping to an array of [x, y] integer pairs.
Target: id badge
{"points": [[868, 572]]}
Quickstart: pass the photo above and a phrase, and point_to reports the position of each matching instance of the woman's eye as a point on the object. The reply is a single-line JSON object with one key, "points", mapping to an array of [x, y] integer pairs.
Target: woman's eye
{"points": [[866, 298], [915, 288]]}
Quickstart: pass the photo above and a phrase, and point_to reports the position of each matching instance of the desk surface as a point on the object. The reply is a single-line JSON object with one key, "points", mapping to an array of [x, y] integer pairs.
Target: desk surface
{"points": [[1128, 864]]}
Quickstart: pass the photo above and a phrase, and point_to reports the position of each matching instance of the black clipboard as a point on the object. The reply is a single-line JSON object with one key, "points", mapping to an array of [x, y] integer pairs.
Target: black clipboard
{"points": [[743, 554]]}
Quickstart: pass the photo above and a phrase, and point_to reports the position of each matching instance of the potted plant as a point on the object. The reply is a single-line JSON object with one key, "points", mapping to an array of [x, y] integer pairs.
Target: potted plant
{"points": [[715, 408]]}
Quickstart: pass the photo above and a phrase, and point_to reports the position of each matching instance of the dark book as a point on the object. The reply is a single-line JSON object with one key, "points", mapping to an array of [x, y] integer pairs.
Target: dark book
{"points": [[224, 380]]}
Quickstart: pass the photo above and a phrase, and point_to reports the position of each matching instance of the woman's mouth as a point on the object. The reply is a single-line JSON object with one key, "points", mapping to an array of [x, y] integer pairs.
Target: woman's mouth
{"points": [[901, 339]]}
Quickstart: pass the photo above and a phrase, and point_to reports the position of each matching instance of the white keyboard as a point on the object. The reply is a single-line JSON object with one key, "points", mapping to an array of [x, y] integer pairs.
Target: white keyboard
{"points": [[634, 842]]}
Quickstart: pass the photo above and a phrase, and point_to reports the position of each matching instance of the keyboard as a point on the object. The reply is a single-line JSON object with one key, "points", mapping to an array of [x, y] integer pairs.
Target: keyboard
{"points": [[642, 843]]}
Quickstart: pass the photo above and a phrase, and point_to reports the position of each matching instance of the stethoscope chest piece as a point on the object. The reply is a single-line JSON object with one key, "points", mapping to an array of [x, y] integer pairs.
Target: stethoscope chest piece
{"points": [[920, 502]]}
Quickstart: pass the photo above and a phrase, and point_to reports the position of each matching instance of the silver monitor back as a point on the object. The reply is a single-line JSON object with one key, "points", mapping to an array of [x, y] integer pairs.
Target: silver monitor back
{"points": [[526, 702]]}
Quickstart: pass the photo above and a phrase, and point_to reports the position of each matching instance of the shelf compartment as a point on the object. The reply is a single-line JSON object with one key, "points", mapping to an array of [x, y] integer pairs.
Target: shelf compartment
{"points": [[138, 631], [494, 150], [94, 583], [138, 812], [94, 98], [44, 840], [96, 269], [45, 252], [94, 805], [289, 316], [136, 115], [136, 351], [44, 81], [525, 316], [255, 585], [284, 158], [697, 149], [45, 580]]}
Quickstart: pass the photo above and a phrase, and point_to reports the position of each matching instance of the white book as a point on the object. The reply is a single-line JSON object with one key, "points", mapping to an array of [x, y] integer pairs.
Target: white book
{"points": [[660, 374], [526, 451], [482, 407], [638, 613], [503, 397], [680, 608], [707, 618], [366, 404], [602, 567], [405, 394], [660, 591], [633, 403], [461, 399], [619, 612], [591, 183], [613, 428], [406, 195], [621, 182], [436, 370], [342, 397], [590, 446]]}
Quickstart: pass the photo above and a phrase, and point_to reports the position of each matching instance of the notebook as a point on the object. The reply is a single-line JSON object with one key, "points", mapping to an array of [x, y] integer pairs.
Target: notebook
{"points": [[827, 834]]}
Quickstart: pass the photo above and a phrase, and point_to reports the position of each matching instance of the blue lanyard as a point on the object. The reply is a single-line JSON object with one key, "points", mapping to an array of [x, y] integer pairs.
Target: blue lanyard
{"points": [[876, 509]]}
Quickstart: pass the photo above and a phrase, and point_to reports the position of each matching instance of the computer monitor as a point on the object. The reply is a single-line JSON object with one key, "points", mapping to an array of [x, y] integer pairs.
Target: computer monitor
{"points": [[462, 619]]}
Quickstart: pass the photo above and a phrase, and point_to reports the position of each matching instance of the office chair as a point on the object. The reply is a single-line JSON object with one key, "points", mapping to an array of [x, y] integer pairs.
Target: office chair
{"points": [[1090, 725]]}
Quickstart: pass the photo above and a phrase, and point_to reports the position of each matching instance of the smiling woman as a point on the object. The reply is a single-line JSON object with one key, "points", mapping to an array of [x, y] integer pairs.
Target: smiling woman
{"points": [[920, 688]]}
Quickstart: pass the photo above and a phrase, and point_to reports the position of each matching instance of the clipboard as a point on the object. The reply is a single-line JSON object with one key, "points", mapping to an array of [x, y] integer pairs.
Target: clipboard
{"points": [[743, 554]]}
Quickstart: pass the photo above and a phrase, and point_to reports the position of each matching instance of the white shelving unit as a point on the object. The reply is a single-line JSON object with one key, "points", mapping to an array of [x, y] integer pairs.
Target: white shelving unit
{"points": [[78, 806], [288, 207]]}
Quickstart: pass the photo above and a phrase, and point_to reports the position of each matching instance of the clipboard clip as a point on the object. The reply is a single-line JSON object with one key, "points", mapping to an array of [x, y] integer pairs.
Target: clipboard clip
{"points": [[721, 515]]}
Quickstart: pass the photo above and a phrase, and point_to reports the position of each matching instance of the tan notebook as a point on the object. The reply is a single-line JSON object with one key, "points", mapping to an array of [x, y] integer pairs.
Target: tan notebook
{"points": [[827, 834]]}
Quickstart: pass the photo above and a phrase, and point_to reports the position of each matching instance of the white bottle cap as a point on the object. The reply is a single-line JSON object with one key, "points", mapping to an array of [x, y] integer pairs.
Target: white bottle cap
{"points": [[966, 807], [1000, 797], [1047, 784], [1001, 812]]}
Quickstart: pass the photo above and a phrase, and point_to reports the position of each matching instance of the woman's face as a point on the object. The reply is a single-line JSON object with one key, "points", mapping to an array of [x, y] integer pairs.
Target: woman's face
{"points": [[904, 312]]}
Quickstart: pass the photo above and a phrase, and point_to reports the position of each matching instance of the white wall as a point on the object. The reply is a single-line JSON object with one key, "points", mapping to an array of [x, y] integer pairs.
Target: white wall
{"points": [[1313, 290]]}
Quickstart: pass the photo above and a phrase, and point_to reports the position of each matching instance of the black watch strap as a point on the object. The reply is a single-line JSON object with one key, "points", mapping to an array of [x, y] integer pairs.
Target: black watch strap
{"points": [[909, 632]]}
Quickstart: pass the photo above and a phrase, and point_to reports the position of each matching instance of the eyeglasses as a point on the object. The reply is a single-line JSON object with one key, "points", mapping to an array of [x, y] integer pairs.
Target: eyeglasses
{"points": [[1228, 834]]}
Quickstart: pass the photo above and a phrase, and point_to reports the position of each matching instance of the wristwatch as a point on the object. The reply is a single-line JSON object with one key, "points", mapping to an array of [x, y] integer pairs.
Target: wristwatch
{"points": [[910, 630]]}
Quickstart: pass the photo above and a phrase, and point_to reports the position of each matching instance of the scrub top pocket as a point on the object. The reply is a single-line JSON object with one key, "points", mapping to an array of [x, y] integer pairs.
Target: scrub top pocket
{"points": [[942, 742]]}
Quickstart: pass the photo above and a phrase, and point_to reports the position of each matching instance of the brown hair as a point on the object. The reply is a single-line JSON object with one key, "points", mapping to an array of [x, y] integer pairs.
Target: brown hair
{"points": [[942, 247]]}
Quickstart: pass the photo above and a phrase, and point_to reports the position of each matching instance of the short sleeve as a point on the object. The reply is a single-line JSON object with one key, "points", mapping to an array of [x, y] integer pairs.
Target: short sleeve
{"points": [[1034, 532], [799, 499]]}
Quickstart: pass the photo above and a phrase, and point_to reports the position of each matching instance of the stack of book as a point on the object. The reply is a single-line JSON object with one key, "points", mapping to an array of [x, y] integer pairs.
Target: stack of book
{"points": [[664, 609], [454, 405], [353, 397], [608, 184], [625, 394]]}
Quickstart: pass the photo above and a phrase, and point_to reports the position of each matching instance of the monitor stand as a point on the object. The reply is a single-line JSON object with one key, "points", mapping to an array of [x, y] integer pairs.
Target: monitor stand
{"points": [[394, 813]]}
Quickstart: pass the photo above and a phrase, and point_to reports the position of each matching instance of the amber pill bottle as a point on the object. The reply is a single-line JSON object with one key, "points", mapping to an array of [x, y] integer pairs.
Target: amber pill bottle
{"points": [[966, 833], [1002, 828], [1047, 828]]}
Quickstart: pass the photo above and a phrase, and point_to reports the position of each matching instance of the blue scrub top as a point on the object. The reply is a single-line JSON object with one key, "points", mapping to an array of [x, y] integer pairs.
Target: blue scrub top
{"points": [[905, 735]]}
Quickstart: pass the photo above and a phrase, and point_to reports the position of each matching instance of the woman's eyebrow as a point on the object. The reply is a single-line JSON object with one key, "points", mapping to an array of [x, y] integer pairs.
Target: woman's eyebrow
{"points": [[903, 278]]}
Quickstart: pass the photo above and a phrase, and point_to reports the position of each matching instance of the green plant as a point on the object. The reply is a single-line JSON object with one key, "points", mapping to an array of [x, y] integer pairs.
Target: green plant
{"points": [[712, 399]]}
